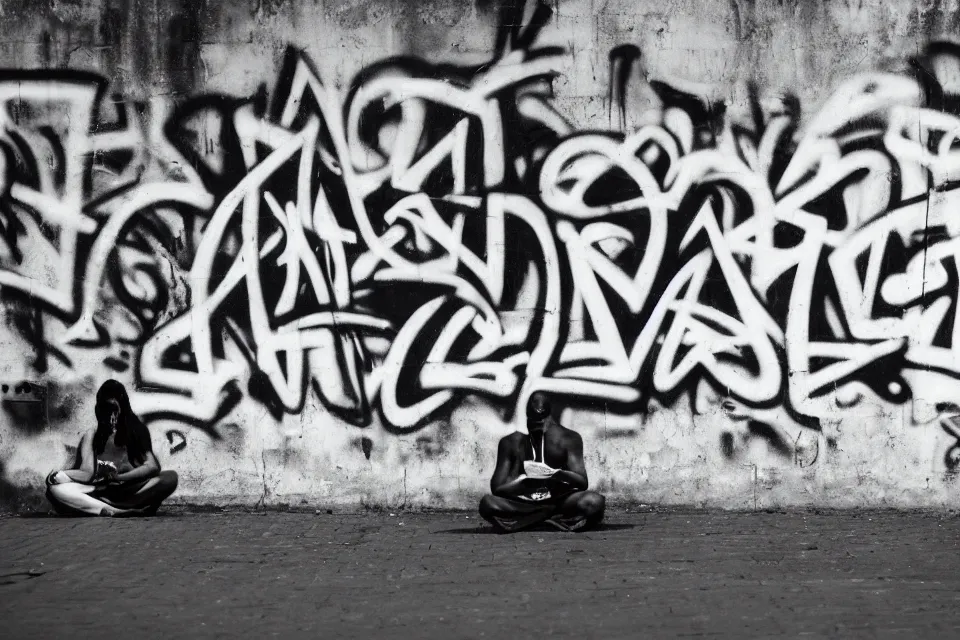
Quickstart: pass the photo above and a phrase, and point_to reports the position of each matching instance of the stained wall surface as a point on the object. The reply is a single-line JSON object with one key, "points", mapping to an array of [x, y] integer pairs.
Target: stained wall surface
{"points": [[333, 247]]}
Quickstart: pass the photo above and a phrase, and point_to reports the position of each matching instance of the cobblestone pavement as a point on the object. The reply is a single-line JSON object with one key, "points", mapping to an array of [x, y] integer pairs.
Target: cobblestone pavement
{"points": [[648, 574]]}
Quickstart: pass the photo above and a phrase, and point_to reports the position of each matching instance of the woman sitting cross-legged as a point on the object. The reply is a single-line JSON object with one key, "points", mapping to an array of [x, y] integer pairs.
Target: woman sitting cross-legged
{"points": [[116, 472]]}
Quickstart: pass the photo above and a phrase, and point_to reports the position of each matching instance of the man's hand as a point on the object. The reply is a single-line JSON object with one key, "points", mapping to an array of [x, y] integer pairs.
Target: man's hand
{"points": [[571, 478]]}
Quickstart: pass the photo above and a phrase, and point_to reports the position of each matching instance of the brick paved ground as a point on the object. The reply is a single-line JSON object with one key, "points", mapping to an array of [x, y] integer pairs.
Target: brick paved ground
{"points": [[650, 574]]}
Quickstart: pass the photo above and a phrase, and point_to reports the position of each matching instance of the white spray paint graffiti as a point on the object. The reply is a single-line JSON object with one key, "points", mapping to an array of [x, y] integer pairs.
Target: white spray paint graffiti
{"points": [[441, 232]]}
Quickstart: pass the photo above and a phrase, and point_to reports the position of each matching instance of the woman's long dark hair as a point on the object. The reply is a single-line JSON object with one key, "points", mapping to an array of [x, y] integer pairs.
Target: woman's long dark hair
{"points": [[131, 432]]}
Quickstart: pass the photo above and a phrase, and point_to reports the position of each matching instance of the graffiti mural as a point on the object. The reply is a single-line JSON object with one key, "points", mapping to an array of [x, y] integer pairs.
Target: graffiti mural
{"points": [[439, 232]]}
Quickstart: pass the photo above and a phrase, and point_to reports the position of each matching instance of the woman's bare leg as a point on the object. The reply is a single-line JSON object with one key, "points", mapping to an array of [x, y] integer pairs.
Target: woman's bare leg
{"points": [[74, 497], [148, 496]]}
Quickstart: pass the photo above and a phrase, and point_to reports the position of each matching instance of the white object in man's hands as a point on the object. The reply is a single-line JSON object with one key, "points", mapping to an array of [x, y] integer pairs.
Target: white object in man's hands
{"points": [[535, 469]]}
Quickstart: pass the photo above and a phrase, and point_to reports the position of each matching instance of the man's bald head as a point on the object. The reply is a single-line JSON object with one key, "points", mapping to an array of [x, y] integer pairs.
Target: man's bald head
{"points": [[538, 409]]}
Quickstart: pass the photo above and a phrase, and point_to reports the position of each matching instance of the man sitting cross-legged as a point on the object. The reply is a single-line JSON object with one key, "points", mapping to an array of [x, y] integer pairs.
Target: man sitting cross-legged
{"points": [[540, 477]]}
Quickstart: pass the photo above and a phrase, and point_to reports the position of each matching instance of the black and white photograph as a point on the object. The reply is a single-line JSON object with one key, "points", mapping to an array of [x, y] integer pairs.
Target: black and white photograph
{"points": [[486, 319]]}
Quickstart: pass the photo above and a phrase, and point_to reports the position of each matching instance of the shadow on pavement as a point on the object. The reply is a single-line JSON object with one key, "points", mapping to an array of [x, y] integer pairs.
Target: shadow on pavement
{"points": [[615, 527], [31, 515], [19, 576], [490, 530], [478, 530]]}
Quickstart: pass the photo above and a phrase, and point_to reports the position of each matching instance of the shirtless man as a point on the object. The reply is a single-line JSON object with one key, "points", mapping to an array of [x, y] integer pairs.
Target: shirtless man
{"points": [[540, 477]]}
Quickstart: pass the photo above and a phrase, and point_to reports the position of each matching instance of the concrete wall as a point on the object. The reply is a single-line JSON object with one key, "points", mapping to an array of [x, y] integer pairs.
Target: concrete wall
{"points": [[723, 232]]}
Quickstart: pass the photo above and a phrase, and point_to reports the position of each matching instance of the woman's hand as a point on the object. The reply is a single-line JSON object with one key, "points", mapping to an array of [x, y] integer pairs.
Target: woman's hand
{"points": [[108, 475]]}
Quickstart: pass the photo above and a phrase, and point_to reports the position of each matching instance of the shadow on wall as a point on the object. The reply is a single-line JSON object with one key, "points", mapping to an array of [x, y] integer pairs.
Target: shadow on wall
{"points": [[25, 404], [22, 497]]}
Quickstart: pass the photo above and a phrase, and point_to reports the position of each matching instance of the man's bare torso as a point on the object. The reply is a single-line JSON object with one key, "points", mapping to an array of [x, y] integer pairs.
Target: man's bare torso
{"points": [[552, 448]]}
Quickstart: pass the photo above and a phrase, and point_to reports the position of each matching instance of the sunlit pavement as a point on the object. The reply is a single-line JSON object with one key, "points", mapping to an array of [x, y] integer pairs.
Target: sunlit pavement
{"points": [[647, 574]]}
